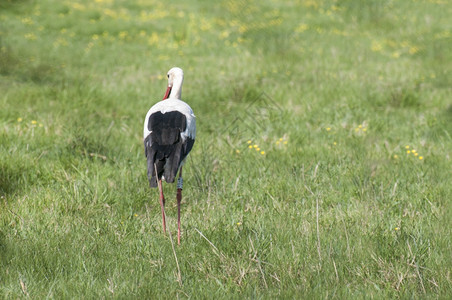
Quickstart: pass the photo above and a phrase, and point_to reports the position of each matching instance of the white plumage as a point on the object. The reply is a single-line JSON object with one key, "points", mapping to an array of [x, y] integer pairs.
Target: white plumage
{"points": [[173, 104]]}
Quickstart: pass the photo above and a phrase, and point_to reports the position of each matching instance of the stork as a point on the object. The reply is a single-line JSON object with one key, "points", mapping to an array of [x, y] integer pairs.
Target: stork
{"points": [[169, 135]]}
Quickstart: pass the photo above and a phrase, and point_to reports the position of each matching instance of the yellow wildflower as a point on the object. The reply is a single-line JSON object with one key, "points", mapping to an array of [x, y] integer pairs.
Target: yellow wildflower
{"points": [[27, 21], [413, 50], [376, 46], [123, 34], [224, 34], [30, 36], [301, 28]]}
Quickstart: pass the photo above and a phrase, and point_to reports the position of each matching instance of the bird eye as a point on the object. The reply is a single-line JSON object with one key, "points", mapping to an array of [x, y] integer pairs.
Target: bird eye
{"points": [[167, 75]]}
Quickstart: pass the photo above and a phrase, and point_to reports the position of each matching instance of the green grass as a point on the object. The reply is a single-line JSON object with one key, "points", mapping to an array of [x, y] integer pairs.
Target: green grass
{"points": [[333, 92]]}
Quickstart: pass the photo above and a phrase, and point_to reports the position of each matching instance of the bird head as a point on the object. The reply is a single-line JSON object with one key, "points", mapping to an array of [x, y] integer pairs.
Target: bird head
{"points": [[175, 80]]}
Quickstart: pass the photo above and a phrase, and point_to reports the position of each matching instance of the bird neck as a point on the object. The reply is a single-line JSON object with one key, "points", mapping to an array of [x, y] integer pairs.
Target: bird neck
{"points": [[176, 90]]}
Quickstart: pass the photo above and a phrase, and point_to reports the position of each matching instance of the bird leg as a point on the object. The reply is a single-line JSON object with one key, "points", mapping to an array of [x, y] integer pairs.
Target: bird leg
{"points": [[162, 198], [179, 199]]}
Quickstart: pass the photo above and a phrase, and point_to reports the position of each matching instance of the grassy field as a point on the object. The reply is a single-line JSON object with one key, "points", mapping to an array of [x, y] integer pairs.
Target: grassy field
{"points": [[322, 166]]}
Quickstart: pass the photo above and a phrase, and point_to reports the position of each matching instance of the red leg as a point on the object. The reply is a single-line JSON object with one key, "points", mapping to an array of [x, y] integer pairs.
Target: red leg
{"points": [[162, 204], [162, 198], [179, 199]]}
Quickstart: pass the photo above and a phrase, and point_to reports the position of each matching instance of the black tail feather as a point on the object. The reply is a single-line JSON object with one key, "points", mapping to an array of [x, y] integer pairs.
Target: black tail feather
{"points": [[172, 163], [165, 158]]}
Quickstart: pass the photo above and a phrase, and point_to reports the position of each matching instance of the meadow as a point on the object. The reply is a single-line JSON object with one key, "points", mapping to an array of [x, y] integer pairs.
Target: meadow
{"points": [[322, 166]]}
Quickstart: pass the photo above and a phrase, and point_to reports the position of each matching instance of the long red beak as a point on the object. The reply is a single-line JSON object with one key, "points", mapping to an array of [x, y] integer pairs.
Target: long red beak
{"points": [[167, 93]]}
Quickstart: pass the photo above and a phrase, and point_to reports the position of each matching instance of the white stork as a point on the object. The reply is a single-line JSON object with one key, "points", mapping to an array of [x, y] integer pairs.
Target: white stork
{"points": [[169, 135]]}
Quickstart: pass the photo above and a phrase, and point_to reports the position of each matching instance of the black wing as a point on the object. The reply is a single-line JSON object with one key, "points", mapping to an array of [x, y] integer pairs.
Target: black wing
{"points": [[164, 147]]}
